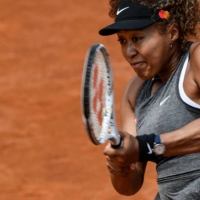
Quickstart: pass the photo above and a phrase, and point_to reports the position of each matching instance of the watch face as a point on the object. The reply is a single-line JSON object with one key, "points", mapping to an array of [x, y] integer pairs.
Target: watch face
{"points": [[159, 149]]}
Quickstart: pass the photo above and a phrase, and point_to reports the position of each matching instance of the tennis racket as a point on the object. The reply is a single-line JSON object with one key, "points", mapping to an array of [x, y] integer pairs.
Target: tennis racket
{"points": [[98, 97]]}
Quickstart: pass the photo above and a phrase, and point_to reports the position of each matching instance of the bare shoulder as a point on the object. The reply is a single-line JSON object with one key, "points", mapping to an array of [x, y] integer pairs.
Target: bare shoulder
{"points": [[192, 76], [195, 52], [195, 61]]}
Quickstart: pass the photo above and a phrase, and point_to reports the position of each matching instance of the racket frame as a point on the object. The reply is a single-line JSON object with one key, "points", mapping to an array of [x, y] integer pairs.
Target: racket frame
{"points": [[109, 120]]}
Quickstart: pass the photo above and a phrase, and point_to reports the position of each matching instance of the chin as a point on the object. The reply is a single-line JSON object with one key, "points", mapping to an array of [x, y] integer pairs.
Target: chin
{"points": [[145, 77], [145, 74]]}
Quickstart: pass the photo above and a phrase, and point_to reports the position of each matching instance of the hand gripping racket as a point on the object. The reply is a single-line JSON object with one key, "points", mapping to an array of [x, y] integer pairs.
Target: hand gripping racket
{"points": [[98, 97]]}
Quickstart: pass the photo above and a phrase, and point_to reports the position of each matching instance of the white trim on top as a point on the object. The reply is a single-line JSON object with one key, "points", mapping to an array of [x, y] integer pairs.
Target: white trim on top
{"points": [[182, 93]]}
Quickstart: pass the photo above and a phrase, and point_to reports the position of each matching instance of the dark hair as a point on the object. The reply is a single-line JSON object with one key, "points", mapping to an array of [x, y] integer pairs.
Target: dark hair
{"points": [[185, 13]]}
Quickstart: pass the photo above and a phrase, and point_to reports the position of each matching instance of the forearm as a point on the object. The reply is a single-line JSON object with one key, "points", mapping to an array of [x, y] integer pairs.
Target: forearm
{"points": [[183, 141], [129, 184]]}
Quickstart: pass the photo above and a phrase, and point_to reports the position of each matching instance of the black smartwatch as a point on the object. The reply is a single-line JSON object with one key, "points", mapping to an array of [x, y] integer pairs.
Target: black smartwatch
{"points": [[159, 147]]}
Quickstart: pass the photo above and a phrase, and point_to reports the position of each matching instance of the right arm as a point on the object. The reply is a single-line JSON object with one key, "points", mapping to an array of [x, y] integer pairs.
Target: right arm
{"points": [[127, 181]]}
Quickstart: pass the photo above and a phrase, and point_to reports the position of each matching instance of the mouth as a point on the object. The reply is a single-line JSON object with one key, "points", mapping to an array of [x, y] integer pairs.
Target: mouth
{"points": [[137, 64]]}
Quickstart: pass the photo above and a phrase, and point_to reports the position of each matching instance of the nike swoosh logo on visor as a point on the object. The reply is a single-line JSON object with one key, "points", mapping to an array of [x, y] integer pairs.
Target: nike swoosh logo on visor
{"points": [[119, 11]]}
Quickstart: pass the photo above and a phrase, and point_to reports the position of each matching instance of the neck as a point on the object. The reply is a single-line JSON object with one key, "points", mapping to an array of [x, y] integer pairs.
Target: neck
{"points": [[169, 68]]}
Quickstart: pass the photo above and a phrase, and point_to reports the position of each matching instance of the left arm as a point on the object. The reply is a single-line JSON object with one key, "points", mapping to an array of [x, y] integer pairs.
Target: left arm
{"points": [[186, 140]]}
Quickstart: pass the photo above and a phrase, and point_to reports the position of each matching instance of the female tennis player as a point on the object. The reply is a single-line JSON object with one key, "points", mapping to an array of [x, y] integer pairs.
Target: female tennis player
{"points": [[160, 110]]}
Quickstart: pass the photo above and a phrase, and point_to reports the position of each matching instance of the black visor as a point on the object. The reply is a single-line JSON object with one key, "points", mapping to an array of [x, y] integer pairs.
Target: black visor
{"points": [[131, 16]]}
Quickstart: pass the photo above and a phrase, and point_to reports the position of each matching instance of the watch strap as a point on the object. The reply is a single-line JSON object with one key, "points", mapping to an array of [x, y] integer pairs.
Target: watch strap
{"points": [[157, 139]]}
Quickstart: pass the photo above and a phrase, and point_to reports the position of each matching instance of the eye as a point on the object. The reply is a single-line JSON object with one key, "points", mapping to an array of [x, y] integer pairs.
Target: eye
{"points": [[121, 41], [136, 39]]}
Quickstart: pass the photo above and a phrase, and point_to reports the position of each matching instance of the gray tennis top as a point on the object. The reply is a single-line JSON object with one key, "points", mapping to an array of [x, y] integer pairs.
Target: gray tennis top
{"points": [[168, 109]]}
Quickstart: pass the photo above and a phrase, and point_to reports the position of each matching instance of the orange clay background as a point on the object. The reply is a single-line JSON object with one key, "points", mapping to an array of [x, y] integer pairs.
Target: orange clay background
{"points": [[45, 153]]}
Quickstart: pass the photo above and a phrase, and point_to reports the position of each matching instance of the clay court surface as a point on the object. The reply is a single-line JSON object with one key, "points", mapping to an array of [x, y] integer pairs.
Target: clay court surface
{"points": [[45, 153]]}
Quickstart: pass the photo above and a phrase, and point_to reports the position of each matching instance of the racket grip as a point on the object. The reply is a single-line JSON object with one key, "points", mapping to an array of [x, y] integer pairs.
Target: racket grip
{"points": [[118, 145]]}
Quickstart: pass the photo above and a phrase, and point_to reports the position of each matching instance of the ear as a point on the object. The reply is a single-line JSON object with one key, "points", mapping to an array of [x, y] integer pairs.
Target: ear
{"points": [[173, 32]]}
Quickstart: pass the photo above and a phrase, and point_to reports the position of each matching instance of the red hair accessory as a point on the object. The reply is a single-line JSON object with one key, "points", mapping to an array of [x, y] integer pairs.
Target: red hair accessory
{"points": [[164, 14]]}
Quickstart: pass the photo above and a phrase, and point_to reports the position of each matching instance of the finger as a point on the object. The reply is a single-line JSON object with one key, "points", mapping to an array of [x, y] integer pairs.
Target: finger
{"points": [[119, 171], [116, 161], [113, 151], [123, 174], [109, 151], [112, 161], [113, 169]]}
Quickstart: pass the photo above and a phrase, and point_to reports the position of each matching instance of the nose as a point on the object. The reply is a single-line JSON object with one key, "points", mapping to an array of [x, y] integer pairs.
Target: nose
{"points": [[131, 50]]}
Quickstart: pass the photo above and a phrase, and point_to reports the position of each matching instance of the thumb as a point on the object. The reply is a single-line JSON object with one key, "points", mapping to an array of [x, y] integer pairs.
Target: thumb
{"points": [[109, 151]]}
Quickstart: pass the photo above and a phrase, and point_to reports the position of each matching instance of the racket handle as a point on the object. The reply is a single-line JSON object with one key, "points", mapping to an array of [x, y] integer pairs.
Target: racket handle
{"points": [[114, 146]]}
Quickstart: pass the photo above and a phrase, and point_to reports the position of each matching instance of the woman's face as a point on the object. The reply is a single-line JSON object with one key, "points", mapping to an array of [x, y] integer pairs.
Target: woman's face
{"points": [[147, 50]]}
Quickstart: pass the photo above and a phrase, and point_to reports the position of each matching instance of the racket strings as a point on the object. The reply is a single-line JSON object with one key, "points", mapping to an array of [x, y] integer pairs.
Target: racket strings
{"points": [[99, 89], [97, 101]]}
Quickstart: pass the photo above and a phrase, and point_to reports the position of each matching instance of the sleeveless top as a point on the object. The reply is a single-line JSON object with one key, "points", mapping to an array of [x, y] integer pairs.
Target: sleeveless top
{"points": [[168, 109]]}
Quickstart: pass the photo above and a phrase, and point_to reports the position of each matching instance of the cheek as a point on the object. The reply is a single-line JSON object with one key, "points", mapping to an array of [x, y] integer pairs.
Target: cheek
{"points": [[157, 54], [161, 57], [124, 53]]}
